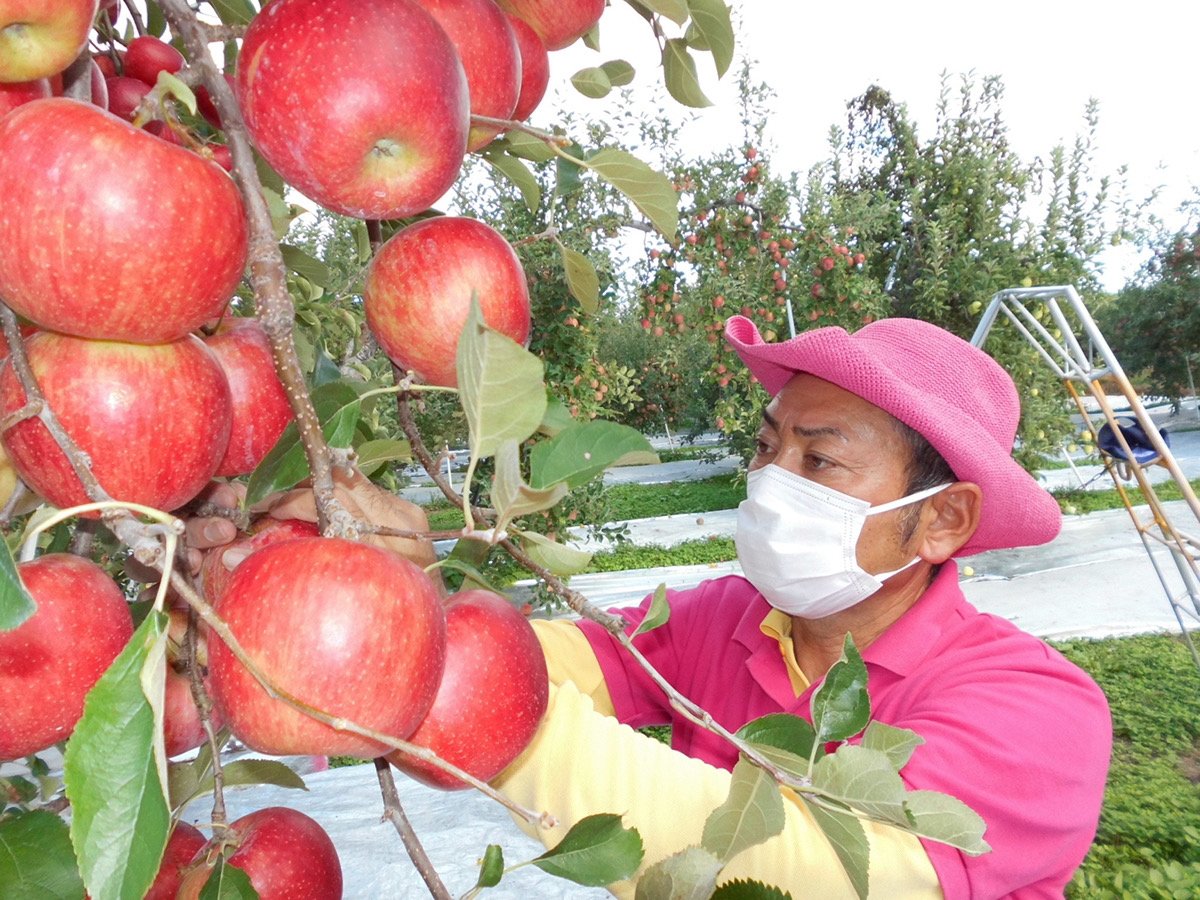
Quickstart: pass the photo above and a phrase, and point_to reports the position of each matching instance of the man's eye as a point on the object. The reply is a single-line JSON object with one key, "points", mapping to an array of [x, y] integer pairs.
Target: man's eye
{"points": [[817, 462], [761, 446]]}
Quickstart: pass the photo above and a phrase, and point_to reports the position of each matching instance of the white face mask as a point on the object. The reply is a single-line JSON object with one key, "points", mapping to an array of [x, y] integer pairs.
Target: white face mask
{"points": [[796, 541]]}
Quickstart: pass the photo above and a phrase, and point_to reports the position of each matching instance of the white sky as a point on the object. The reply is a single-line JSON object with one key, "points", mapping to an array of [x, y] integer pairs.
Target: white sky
{"points": [[1138, 62]]}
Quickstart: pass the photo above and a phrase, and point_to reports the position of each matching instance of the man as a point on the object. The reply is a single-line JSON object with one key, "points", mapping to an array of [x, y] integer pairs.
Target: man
{"points": [[883, 455]]}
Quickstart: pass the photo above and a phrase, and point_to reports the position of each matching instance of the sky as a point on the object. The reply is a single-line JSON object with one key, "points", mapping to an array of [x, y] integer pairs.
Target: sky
{"points": [[1052, 56]]}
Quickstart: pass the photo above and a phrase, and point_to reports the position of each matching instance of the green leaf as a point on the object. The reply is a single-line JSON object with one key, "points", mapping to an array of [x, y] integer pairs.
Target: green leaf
{"points": [[580, 452], [268, 176], [582, 280], [840, 706], [36, 859], [156, 23], [782, 731], [228, 883], [302, 264], [690, 874], [116, 771], [372, 455], [499, 384], [468, 557], [710, 19], [256, 771], [233, 12], [558, 558], [526, 146], [863, 780], [751, 814], [171, 86], [592, 82], [650, 191], [675, 10], [511, 496], [897, 743], [16, 606], [338, 408], [619, 72], [17, 789], [567, 177], [749, 890], [849, 841], [591, 38], [491, 870], [946, 819], [557, 417], [519, 174], [679, 70], [281, 212], [658, 613], [597, 851]]}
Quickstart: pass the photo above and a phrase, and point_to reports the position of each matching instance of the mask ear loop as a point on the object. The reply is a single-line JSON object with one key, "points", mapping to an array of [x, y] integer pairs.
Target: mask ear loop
{"points": [[905, 501]]}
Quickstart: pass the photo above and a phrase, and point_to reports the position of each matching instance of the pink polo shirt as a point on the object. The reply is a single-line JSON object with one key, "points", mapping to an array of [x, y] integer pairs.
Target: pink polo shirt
{"points": [[1011, 727]]}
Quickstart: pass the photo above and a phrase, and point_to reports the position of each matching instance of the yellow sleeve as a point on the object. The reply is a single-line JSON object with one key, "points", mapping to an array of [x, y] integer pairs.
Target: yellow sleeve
{"points": [[581, 763], [569, 657]]}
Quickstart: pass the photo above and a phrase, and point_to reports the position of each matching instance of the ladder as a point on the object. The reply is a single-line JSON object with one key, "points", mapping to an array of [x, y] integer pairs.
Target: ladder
{"points": [[1071, 344]]}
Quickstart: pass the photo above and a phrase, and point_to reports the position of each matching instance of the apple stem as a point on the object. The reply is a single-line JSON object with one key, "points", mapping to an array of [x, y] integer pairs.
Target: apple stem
{"points": [[135, 14], [554, 140], [393, 812], [20, 492], [204, 707]]}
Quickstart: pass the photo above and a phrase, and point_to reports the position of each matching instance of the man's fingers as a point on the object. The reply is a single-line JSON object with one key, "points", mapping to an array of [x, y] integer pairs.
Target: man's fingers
{"points": [[210, 532], [297, 504]]}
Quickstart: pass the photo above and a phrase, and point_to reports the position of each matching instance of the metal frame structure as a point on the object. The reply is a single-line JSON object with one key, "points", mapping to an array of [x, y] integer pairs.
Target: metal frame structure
{"points": [[1071, 344]]}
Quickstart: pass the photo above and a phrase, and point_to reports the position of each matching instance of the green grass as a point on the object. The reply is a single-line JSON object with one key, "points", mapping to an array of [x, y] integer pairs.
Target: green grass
{"points": [[644, 501], [1077, 501]]}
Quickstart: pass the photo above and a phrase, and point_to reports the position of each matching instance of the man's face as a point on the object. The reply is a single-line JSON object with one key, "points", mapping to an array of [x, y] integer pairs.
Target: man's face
{"points": [[828, 435]]}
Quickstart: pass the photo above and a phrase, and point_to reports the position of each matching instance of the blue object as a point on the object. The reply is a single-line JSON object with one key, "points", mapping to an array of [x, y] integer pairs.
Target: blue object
{"points": [[1135, 435]]}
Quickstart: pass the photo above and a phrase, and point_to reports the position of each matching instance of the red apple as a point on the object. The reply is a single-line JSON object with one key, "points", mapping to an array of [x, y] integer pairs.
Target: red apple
{"points": [[492, 696], [99, 86], [152, 418], [419, 287], [350, 629], [50, 661], [109, 232], [182, 728], [146, 56], [488, 49], [20, 92], [124, 95], [183, 845], [558, 23], [207, 107], [107, 67], [39, 38], [360, 104], [214, 575], [286, 855], [260, 404], [535, 68]]}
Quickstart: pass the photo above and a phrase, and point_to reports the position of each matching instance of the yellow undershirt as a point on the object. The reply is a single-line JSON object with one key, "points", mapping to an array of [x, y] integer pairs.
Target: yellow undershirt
{"points": [[582, 761]]}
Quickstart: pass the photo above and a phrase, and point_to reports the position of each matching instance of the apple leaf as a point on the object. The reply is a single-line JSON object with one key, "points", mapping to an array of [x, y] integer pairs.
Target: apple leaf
{"points": [[846, 835], [169, 85], [597, 851], [582, 280], [372, 455], [492, 867], [862, 779], [592, 82], [897, 743], [710, 19], [233, 12], [841, 707], [783, 731], [519, 175], [690, 874], [675, 10], [302, 264], [657, 615], [557, 417], [116, 771], [16, 606], [650, 191], [227, 883], [526, 146], [583, 450], [254, 771], [947, 820], [156, 22], [751, 814], [558, 558], [591, 38], [740, 889], [619, 72], [511, 496], [680, 71], [285, 466], [36, 859], [499, 384]]}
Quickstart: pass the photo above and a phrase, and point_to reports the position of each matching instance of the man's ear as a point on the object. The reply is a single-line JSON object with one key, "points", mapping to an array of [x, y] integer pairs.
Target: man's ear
{"points": [[950, 518]]}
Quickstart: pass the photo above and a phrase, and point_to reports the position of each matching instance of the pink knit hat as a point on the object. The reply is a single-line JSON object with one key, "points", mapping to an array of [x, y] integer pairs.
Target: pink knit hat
{"points": [[952, 393]]}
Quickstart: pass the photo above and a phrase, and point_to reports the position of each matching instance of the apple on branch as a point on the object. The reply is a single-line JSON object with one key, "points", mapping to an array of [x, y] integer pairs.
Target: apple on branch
{"points": [[559, 23], [420, 285], [40, 38], [147, 55], [535, 68], [19, 92], [361, 105]]}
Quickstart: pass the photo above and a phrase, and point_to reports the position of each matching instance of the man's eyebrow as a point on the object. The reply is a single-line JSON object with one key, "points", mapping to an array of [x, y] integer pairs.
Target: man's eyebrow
{"points": [[823, 431]]}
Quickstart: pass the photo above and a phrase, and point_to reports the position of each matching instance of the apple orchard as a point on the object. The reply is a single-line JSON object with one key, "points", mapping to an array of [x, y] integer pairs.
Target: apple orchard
{"points": [[154, 384]]}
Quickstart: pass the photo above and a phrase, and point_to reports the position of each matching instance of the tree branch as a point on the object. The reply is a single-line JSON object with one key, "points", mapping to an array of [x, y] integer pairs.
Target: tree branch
{"points": [[393, 812]]}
